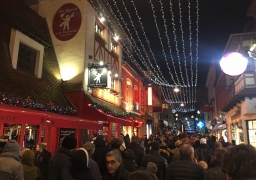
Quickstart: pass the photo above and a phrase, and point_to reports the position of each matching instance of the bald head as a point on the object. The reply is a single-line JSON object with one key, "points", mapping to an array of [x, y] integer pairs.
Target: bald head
{"points": [[186, 150]]}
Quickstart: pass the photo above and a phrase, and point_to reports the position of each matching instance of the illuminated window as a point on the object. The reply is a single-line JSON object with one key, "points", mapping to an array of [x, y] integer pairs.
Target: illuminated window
{"points": [[112, 83], [98, 29], [113, 46]]}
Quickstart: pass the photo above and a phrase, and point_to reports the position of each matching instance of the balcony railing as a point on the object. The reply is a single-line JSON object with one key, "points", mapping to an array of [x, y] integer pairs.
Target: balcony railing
{"points": [[244, 86]]}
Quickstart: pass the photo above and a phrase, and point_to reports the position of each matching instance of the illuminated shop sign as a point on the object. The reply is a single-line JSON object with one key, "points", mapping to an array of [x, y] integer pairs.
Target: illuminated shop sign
{"points": [[98, 76]]}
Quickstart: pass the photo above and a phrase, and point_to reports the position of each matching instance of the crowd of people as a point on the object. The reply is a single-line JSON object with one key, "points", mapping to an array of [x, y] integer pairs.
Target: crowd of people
{"points": [[164, 157]]}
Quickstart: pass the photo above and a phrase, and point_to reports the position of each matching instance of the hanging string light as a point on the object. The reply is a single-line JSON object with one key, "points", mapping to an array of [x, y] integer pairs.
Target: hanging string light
{"points": [[187, 97]]}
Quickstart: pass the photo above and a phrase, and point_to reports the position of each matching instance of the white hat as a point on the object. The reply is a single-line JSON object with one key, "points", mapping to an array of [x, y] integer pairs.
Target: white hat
{"points": [[203, 141]]}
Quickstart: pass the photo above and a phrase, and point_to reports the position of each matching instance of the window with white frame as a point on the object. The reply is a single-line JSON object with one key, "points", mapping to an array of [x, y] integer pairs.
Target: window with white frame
{"points": [[26, 53], [113, 46], [98, 29], [112, 83]]}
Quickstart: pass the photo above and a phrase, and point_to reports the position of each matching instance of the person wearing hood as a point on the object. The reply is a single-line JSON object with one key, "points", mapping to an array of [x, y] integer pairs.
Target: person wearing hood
{"points": [[80, 165], [31, 172], [10, 165], [101, 149], [60, 165], [204, 153]]}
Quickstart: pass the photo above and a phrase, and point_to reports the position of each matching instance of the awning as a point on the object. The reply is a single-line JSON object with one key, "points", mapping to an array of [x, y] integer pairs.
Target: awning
{"points": [[18, 115], [83, 101], [97, 115], [14, 114], [66, 121]]}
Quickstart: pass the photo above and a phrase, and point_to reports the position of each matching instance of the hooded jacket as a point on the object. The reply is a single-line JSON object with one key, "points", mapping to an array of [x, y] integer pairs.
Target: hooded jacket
{"points": [[60, 165], [31, 172], [10, 166], [101, 149]]}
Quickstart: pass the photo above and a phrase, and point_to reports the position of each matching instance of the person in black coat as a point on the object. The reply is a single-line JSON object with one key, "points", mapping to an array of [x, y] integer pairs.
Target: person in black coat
{"points": [[60, 165], [42, 158], [101, 149], [128, 160], [185, 168], [156, 158], [116, 169], [80, 165], [216, 172], [137, 149], [204, 153]]}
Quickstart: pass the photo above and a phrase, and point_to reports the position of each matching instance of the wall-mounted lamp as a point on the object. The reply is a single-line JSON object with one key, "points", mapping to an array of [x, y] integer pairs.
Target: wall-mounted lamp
{"points": [[102, 19], [116, 75], [116, 38], [101, 63]]}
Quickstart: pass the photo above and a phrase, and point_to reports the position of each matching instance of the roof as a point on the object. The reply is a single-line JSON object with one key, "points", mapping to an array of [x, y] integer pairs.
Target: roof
{"points": [[24, 19], [114, 109], [16, 84]]}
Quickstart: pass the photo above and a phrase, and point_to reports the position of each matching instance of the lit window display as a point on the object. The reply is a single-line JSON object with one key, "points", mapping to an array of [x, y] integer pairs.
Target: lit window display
{"points": [[252, 132]]}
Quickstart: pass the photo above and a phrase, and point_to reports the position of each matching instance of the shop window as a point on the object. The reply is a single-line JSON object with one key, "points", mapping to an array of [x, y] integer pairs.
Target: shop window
{"points": [[31, 136], [26, 53], [112, 83], [12, 131]]}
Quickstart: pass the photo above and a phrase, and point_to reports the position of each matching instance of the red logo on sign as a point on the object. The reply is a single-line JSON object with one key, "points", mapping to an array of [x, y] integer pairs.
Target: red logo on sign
{"points": [[66, 22]]}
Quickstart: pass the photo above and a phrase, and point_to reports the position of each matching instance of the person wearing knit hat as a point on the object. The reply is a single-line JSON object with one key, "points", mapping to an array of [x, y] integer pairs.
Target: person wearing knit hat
{"points": [[156, 158], [10, 166], [69, 142], [60, 165], [31, 172], [204, 153], [151, 167]]}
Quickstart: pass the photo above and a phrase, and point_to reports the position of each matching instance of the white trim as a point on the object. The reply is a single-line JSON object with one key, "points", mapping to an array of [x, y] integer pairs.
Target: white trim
{"points": [[16, 38]]}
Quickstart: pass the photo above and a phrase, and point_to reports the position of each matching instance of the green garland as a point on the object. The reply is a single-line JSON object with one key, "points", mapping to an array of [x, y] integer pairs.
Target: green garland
{"points": [[30, 104]]}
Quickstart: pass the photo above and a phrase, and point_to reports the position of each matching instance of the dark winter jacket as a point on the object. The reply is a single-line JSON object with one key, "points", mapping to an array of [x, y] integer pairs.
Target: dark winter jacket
{"points": [[80, 164], [94, 170], [204, 153], [60, 165], [42, 162], [167, 155], [138, 152], [185, 169], [120, 174], [215, 172], [101, 149], [128, 160], [10, 166], [160, 162]]}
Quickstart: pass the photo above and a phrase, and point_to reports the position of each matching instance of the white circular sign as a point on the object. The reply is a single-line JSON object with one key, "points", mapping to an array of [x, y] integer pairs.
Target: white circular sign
{"points": [[233, 63]]}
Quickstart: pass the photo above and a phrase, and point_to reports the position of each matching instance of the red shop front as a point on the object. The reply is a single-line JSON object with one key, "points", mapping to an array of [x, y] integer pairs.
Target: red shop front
{"points": [[111, 124], [28, 127]]}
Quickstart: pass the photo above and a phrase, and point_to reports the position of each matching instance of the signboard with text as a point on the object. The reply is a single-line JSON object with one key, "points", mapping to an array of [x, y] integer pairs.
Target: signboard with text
{"points": [[66, 22], [98, 77], [65, 132]]}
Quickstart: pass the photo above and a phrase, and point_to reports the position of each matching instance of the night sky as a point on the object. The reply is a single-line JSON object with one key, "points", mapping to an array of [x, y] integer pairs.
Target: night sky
{"points": [[217, 20]]}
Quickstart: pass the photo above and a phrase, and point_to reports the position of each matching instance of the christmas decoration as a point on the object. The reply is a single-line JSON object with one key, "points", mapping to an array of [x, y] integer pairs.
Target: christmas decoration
{"points": [[39, 105]]}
